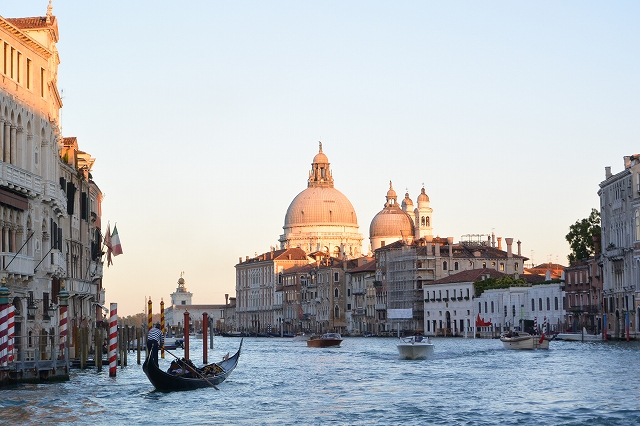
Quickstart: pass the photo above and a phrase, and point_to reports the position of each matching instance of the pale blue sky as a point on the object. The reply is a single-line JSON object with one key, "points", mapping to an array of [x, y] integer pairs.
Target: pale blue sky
{"points": [[204, 117]]}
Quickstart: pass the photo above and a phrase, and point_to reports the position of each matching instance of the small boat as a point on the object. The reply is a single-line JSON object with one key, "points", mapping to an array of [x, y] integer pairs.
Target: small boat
{"points": [[232, 334], [172, 343], [415, 347], [580, 337], [302, 337], [208, 376], [522, 340], [324, 341]]}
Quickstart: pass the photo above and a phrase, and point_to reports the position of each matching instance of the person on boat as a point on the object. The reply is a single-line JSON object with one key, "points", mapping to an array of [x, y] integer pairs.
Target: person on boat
{"points": [[155, 340], [417, 336], [175, 369]]}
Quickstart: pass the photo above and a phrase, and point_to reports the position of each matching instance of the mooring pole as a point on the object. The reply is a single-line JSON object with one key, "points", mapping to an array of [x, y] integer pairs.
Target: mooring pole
{"points": [[205, 324], [186, 334], [113, 339]]}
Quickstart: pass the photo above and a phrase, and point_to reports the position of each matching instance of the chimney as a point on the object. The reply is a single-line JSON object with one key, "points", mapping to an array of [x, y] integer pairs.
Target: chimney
{"points": [[607, 172], [247, 258], [428, 239], [509, 242], [240, 259], [226, 299], [493, 240], [519, 251], [450, 241], [499, 243]]}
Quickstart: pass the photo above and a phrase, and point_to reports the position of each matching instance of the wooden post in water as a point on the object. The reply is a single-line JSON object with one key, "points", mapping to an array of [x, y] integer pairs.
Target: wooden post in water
{"points": [[97, 355], [186, 334], [205, 324], [138, 342]]}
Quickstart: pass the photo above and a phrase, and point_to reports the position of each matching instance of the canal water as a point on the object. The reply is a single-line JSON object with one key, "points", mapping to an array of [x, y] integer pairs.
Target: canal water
{"points": [[278, 381]]}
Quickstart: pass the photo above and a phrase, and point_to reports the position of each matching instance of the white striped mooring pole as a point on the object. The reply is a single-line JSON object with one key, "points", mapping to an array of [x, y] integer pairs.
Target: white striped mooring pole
{"points": [[113, 339]]}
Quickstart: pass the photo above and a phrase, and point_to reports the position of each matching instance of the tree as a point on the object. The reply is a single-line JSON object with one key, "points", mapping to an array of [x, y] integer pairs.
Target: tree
{"points": [[580, 237]]}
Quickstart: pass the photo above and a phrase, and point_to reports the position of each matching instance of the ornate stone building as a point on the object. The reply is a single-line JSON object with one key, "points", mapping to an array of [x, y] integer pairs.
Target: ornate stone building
{"points": [[321, 218], [49, 204], [620, 222]]}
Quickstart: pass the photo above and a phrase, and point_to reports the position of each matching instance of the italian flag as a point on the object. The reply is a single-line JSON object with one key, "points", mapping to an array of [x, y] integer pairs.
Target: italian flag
{"points": [[115, 242]]}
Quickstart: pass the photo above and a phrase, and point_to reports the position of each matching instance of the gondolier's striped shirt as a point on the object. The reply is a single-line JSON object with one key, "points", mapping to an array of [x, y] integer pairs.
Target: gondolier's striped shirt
{"points": [[156, 334]]}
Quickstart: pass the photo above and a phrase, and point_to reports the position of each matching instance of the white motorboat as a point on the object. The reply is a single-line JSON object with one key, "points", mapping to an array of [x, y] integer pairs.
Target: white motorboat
{"points": [[580, 337], [415, 347], [522, 340], [302, 337]]}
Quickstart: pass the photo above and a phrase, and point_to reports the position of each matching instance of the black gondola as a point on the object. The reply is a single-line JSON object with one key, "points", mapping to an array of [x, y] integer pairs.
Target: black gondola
{"points": [[167, 382]]}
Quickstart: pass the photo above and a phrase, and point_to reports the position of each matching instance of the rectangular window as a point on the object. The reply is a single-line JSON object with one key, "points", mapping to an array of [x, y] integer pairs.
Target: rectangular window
{"points": [[18, 70], [28, 76], [336, 277], [11, 63], [5, 67], [43, 74]]}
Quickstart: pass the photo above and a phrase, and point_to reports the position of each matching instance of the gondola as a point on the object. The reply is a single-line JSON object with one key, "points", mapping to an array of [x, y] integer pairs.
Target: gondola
{"points": [[166, 382]]}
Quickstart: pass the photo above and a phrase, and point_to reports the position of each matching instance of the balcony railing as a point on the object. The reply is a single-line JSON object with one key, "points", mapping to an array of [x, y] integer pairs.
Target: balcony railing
{"points": [[19, 265]]}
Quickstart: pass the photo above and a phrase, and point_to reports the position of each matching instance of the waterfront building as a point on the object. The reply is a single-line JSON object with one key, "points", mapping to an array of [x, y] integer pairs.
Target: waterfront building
{"points": [[583, 295], [49, 204], [321, 218], [220, 316], [620, 223], [258, 305], [404, 268], [361, 298], [453, 307]]}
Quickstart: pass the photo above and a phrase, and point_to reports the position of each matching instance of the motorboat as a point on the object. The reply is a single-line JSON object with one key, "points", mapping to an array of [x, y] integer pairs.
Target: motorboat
{"points": [[172, 343], [522, 340], [415, 347], [302, 337], [324, 341], [580, 337]]}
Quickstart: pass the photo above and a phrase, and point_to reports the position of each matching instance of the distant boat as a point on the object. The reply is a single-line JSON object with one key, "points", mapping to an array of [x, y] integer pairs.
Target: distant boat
{"points": [[302, 337], [522, 340], [415, 347], [232, 334], [324, 341], [580, 337]]}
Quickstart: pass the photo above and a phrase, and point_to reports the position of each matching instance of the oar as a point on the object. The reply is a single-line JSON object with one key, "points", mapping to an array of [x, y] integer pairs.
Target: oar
{"points": [[185, 365]]}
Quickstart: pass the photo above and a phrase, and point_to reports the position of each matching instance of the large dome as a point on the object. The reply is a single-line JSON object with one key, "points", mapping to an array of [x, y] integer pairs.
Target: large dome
{"points": [[320, 205], [392, 221]]}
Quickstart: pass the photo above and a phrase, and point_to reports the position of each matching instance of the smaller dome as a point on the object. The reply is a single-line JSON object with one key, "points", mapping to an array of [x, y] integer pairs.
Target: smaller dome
{"points": [[391, 222], [423, 196], [406, 202], [391, 194], [320, 158]]}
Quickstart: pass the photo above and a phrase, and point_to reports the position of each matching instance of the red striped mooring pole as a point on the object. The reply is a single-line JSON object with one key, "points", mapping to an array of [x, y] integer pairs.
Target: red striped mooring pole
{"points": [[10, 331], [63, 301], [4, 313], [113, 339]]}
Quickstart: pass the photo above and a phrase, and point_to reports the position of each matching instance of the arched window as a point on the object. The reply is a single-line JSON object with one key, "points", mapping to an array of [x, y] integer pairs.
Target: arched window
{"points": [[455, 266], [492, 306], [444, 265], [479, 307], [336, 294], [533, 305], [556, 303], [336, 312], [540, 304], [548, 304], [428, 221]]}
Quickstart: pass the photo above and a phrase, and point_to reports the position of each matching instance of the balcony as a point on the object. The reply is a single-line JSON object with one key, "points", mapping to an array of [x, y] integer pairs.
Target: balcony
{"points": [[20, 266], [20, 180], [381, 306], [358, 311], [359, 291]]}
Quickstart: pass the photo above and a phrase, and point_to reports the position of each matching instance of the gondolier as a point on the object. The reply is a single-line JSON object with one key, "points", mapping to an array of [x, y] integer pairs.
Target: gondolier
{"points": [[155, 340]]}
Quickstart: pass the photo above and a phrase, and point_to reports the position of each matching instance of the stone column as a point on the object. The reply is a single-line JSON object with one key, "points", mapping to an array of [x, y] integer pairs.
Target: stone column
{"points": [[12, 149]]}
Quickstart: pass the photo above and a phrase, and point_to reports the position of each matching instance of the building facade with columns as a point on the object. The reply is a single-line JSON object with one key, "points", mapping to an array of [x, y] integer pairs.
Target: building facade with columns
{"points": [[620, 256], [50, 207]]}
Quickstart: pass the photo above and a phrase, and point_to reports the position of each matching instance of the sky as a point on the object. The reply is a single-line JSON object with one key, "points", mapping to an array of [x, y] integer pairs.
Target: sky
{"points": [[204, 117]]}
